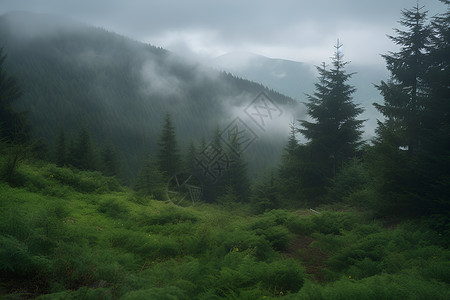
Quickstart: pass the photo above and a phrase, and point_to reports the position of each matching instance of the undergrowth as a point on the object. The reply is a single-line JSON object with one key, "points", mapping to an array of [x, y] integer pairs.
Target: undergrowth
{"points": [[68, 234]]}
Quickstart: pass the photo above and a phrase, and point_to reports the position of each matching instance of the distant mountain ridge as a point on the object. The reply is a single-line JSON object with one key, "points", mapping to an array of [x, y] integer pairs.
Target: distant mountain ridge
{"points": [[289, 77], [74, 74], [296, 79]]}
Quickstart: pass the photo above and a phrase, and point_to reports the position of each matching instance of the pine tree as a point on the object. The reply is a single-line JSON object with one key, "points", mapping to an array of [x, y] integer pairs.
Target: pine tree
{"points": [[334, 136], [109, 160], [289, 168], [404, 93], [236, 176], [435, 157], [398, 157], [13, 125], [291, 146], [437, 79], [190, 163], [265, 193], [169, 160], [82, 152], [61, 149], [150, 181]]}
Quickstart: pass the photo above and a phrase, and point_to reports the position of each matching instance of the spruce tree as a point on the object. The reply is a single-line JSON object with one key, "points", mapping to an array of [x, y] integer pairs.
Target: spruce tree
{"points": [[435, 157], [13, 125], [150, 181], [61, 149], [236, 176], [109, 160], [190, 163], [169, 159], [82, 152], [401, 136], [291, 146], [437, 81], [288, 171], [334, 134], [404, 94]]}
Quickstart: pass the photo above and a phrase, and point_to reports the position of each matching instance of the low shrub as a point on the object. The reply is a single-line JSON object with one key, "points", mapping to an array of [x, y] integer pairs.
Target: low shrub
{"points": [[300, 225], [147, 246], [333, 223], [282, 276], [114, 208], [269, 226], [16, 259], [168, 215], [85, 293], [161, 293], [245, 241], [13, 223], [84, 181]]}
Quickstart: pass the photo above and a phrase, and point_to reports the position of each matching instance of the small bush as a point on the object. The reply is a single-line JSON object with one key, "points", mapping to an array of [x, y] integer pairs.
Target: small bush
{"points": [[162, 293], [169, 215], [148, 246], [270, 227], [351, 179], [84, 293], [333, 223], [12, 222], [74, 265], [245, 240], [15, 258], [84, 181], [300, 225], [284, 276], [114, 208]]}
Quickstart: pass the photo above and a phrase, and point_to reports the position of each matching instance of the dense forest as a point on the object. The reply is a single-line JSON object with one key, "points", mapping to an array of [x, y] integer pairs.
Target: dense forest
{"points": [[73, 75], [126, 175]]}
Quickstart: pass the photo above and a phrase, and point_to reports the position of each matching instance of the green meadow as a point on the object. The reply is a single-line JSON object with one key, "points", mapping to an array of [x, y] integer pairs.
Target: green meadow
{"points": [[68, 234]]}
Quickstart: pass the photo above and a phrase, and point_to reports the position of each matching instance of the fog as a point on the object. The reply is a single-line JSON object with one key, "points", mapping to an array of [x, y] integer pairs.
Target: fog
{"points": [[295, 30]]}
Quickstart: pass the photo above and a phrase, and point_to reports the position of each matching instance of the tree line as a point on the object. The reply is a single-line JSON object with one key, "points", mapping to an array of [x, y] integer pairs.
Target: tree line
{"points": [[406, 166], [404, 169]]}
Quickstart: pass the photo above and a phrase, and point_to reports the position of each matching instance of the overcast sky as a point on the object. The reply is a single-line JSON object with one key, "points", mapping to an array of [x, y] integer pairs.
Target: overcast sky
{"points": [[290, 29]]}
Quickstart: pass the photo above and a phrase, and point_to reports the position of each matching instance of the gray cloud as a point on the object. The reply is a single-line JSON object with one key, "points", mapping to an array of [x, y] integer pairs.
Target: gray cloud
{"points": [[291, 29]]}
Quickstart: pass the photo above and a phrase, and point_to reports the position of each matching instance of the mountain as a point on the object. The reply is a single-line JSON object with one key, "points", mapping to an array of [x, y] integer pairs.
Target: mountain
{"points": [[296, 79], [76, 75], [290, 77]]}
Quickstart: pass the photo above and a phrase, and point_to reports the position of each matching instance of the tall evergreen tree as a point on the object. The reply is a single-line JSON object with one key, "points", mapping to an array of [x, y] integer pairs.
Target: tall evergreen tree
{"points": [[169, 159], [289, 168], [61, 149], [437, 80], [435, 159], [236, 176], [400, 137], [291, 146], [82, 152], [212, 173], [404, 93], [13, 125], [150, 181], [109, 160], [191, 154], [334, 135]]}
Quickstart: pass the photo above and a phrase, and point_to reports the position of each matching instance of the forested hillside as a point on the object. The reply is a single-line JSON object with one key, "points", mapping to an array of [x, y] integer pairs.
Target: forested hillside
{"points": [[337, 218], [73, 75]]}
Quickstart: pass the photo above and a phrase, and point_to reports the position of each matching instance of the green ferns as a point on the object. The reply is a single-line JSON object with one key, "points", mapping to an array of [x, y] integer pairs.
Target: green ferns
{"points": [[73, 236]]}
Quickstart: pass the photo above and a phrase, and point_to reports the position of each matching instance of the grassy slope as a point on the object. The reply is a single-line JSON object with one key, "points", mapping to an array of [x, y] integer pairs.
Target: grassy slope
{"points": [[72, 235]]}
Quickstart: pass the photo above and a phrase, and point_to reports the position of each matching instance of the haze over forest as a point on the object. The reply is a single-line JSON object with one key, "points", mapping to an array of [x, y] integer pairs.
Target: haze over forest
{"points": [[239, 151]]}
